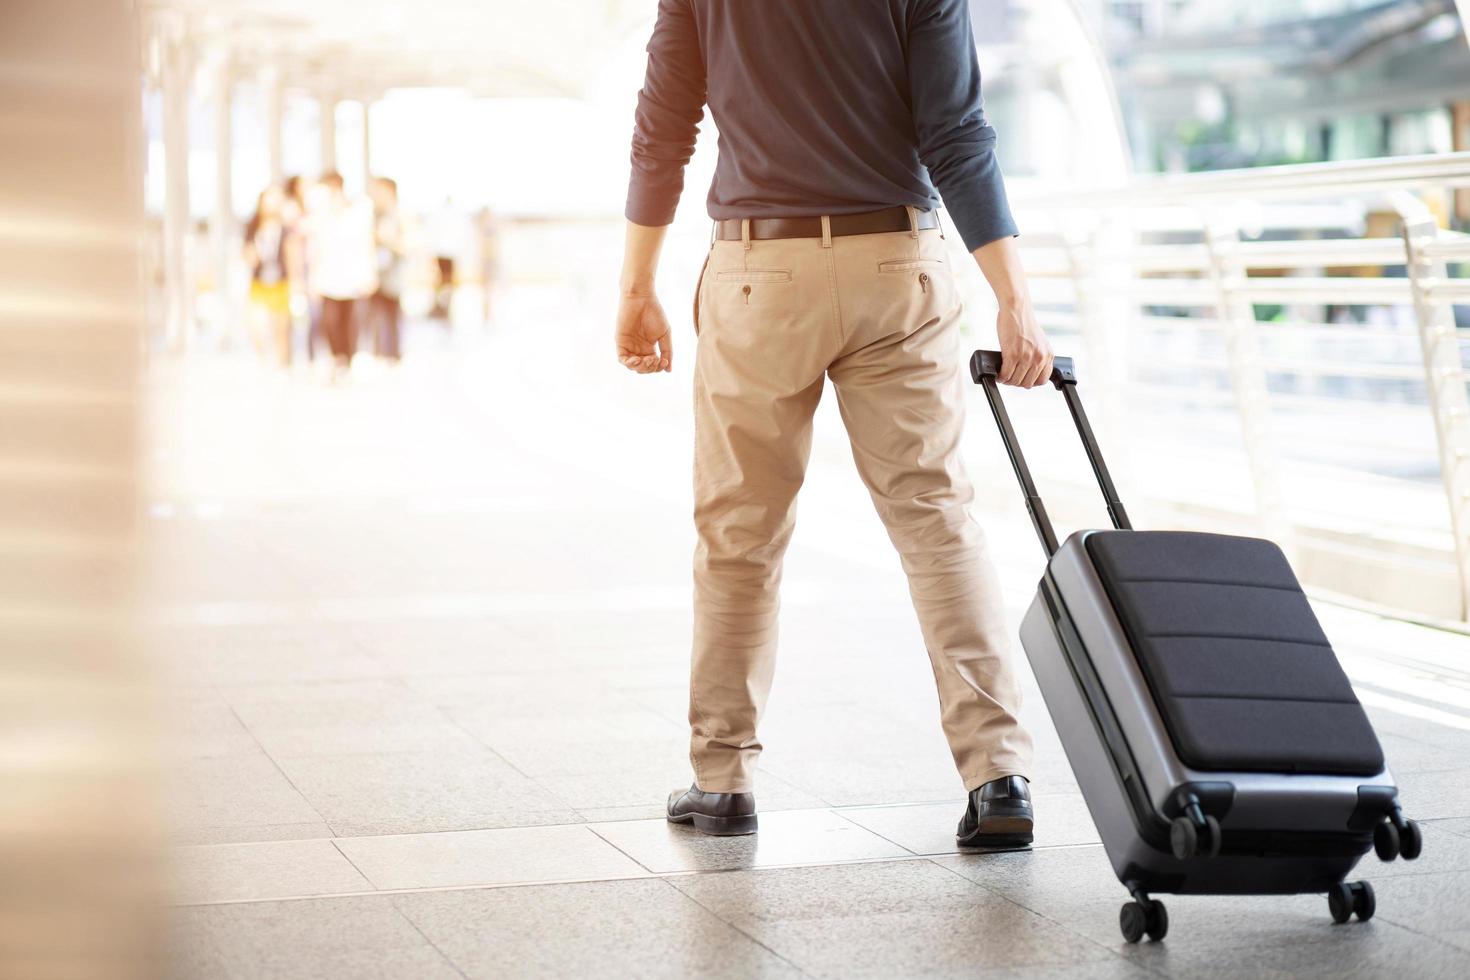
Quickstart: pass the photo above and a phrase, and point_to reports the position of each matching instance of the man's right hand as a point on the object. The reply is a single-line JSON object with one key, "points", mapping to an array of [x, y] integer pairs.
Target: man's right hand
{"points": [[1025, 353], [644, 340]]}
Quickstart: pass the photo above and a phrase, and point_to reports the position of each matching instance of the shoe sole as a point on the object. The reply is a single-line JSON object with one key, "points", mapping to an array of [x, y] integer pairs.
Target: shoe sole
{"points": [[1000, 831], [718, 826]]}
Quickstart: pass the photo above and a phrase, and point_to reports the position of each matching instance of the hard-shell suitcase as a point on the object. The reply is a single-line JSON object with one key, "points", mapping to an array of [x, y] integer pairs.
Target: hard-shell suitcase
{"points": [[1215, 738]]}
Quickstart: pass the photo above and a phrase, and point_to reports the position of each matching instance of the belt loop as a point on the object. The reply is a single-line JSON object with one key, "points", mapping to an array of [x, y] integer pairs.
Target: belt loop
{"points": [[939, 222], [826, 231], [745, 233], [913, 220], [714, 232]]}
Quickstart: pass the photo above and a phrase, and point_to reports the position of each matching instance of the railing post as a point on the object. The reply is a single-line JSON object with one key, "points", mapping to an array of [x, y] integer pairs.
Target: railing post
{"points": [[1248, 379], [1097, 255], [1444, 376]]}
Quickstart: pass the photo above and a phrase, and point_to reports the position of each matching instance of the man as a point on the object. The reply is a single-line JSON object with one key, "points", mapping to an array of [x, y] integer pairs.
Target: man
{"points": [[342, 266], [837, 120]]}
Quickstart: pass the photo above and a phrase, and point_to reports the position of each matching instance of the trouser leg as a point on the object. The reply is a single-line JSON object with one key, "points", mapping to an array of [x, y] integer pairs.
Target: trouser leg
{"points": [[744, 512], [332, 325], [764, 320], [900, 399]]}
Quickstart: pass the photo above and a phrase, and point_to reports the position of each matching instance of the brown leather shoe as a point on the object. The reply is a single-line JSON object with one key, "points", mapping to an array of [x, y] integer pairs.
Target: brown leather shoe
{"points": [[999, 815], [721, 814]]}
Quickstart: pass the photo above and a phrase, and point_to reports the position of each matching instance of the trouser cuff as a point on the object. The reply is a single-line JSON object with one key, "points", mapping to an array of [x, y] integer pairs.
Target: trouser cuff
{"points": [[973, 783]]}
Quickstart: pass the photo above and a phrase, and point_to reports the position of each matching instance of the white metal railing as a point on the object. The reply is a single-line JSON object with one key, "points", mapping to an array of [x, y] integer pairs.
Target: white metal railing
{"points": [[1162, 263]]}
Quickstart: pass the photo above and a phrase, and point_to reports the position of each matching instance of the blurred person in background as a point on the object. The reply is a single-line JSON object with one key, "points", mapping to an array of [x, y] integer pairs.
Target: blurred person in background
{"points": [[268, 244], [488, 225], [385, 308], [298, 190], [451, 237], [837, 120], [343, 261]]}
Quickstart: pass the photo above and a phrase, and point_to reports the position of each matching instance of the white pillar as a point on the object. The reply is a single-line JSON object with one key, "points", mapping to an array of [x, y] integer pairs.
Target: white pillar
{"points": [[274, 95], [327, 126], [178, 290], [367, 142], [222, 224]]}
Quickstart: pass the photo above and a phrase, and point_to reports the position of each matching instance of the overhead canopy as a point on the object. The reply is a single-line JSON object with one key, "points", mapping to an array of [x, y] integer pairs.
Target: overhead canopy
{"points": [[362, 47]]}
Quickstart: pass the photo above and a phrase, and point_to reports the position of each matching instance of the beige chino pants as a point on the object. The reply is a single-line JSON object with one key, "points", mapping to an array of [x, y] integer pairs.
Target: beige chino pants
{"points": [[879, 315]]}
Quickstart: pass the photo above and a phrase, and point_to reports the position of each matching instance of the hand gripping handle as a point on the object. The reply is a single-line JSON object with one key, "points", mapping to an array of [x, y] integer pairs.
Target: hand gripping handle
{"points": [[985, 369]]}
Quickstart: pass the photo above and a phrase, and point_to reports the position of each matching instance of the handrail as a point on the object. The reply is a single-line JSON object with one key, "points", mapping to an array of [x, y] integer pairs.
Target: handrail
{"points": [[1099, 270], [1297, 180]]}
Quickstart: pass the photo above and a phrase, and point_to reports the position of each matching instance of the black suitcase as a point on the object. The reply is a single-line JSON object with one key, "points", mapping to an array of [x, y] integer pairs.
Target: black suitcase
{"points": [[1214, 736]]}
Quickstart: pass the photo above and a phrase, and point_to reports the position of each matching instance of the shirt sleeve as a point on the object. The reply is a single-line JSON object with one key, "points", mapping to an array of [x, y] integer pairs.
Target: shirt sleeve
{"points": [[666, 123], [955, 141]]}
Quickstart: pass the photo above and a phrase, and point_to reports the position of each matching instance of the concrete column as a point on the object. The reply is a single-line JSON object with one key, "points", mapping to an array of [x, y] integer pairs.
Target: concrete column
{"points": [[222, 224], [81, 819], [273, 94], [178, 289], [327, 125]]}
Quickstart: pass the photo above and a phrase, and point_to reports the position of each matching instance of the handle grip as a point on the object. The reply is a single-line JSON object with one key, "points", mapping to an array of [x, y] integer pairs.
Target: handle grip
{"points": [[985, 369], [986, 364]]}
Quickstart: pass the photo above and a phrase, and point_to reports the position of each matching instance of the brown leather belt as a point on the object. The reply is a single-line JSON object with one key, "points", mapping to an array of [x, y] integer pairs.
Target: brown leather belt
{"points": [[865, 223]]}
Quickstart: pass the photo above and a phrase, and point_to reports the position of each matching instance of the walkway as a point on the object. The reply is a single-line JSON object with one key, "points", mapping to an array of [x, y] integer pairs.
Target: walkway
{"points": [[425, 642]]}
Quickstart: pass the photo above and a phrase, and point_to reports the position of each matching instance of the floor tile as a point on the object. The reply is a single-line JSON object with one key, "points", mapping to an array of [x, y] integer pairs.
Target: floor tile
{"points": [[341, 718], [889, 920], [830, 891], [277, 869], [487, 857], [309, 939], [186, 836], [600, 741], [419, 792], [1433, 904], [1459, 826], [929, 828], [613, 928], [785, 837], [238, 790], [1076, 886], [1356, 951]]}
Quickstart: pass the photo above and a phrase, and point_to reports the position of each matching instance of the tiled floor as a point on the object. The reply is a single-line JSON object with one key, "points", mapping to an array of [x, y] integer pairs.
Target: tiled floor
{"points": [[425, 637]]}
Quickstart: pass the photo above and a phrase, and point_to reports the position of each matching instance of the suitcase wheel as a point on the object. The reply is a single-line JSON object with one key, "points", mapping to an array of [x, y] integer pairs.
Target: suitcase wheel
{"points": [[1398, 839], [1386, 842], [1349, 898], [1187, 840], [1148, 917], [1395, 837], [1411, 840]]}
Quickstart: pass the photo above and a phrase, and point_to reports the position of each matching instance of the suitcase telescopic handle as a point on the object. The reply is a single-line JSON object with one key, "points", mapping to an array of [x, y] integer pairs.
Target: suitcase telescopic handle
{"points": [[985, 369]]}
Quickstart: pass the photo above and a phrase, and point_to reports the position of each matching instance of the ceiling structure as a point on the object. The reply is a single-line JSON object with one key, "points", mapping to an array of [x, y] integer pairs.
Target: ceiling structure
{"points": [[361, 48]]}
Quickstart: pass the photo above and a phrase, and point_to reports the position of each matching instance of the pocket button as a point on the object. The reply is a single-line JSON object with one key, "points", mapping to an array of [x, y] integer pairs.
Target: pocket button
{"points": [[924, 281]]}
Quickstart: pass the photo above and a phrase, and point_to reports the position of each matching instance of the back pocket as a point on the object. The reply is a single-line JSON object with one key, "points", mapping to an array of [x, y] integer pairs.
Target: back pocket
{"points": [[910, 265], [754, 275]]}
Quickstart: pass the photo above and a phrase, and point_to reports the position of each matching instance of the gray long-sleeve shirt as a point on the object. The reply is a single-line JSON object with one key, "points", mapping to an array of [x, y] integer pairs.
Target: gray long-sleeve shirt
{"points": [[823, 107]]}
